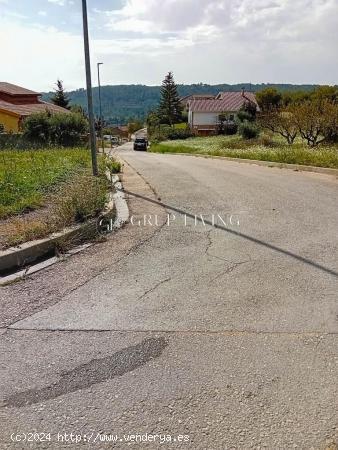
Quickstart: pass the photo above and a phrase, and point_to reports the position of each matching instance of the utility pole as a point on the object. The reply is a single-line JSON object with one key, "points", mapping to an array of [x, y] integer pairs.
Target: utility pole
{"points": [[89, 89], [100, 105]]}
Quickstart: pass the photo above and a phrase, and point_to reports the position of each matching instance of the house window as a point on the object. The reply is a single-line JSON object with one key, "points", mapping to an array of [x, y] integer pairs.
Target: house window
{"points": [[231, 117]]}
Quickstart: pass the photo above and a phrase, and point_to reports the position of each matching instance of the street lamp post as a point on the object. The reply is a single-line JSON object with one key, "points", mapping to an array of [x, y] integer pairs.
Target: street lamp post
{"points": [[89, 89], [100, 105]]}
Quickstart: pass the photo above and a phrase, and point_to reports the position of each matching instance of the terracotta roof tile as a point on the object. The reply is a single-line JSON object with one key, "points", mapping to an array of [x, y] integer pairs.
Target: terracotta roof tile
{"points": [[13, 89], [26, 110], [226, 101]]}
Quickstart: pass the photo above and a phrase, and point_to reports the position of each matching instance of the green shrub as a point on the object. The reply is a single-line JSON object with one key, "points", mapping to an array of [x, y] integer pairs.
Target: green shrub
{"points": [[66, 129], [63, 129], [166, 132], [248, 130], [36, 128], [244, 116], [112, 165], [230, 128], [179, 134]]}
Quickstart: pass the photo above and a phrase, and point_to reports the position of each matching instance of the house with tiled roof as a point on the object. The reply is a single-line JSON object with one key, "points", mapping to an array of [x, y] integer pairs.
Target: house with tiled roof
{"points": [[203, 113], [16, 103], [188, 98]]}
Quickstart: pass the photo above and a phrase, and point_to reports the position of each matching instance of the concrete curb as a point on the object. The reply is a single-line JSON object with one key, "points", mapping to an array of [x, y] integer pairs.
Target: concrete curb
{"points": [[295, 167], [30, 252], [121, 205]]}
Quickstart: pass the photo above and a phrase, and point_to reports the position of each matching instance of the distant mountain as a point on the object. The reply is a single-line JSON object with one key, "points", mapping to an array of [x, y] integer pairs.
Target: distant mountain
{"points": [[120, 103]]}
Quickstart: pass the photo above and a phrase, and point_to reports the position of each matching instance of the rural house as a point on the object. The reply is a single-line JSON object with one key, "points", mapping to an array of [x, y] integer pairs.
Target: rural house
{"points": [[185, 100], [16, 103], [203, 113]]}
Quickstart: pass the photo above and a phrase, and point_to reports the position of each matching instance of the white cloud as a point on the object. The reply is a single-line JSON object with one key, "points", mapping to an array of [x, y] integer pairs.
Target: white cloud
{"points": [[38, 56], [58, 2], [42, 13], [287, 37], [211, 41]]}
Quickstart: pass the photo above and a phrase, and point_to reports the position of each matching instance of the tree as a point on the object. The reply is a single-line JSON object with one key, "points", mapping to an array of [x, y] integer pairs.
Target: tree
{"points": [[60, 98], [280, 122], [294, 97], [269, 99], [135, 125], [329, 93], [330, 120], [170, 108], [315, 120], [78, 109]]}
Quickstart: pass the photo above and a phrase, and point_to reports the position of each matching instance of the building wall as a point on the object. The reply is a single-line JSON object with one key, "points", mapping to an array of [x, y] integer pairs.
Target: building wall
{"points": [[205, 118], [10, 122]]}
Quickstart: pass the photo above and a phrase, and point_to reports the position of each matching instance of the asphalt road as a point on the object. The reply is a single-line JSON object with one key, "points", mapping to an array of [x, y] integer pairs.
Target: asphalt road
{"points": [[213, 316]]}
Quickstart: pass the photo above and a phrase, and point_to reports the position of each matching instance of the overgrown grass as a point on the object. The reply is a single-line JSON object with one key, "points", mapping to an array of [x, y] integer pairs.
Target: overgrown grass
{"points": [[76, 200], [27, 176], [60, 180], [264, 149]]}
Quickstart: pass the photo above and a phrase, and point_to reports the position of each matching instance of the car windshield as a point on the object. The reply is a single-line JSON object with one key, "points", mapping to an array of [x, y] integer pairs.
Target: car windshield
{"points": [[140, 140]]}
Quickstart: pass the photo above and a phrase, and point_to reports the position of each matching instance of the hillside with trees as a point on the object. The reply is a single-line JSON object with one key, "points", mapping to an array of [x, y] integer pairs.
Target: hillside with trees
{"points": [[124, 103]]}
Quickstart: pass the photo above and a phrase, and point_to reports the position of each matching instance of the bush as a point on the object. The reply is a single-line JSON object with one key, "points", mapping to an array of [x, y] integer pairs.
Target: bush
{"points": [[166, 132], [36, 128], [179, 134], [244, 116], [267, 141], [67, 129], [111, 165], [230, 128], [248, 130], [64, 129]]}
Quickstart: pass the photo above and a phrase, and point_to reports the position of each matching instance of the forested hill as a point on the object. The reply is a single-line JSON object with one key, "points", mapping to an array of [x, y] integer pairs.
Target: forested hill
{"points": [[120, 103]]}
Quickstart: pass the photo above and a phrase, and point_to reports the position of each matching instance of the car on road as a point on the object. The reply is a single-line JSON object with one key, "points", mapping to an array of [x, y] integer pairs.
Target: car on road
{"points": [[141, 144]]}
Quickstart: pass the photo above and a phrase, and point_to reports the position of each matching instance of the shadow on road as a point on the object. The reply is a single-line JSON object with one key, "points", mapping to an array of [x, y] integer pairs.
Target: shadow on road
{"points": [[238, 233]]}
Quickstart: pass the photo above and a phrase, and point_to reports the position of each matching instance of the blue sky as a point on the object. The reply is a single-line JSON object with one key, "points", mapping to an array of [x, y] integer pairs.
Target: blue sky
{"points": [[212, 41]]}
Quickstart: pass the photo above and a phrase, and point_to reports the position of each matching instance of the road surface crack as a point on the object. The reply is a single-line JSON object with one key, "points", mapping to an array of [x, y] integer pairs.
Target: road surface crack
{"points": [[229, 269], [154, 288]]}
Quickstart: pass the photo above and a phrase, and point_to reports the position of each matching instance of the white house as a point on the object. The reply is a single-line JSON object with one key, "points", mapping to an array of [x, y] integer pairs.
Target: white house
{"points": [[203, 114]]}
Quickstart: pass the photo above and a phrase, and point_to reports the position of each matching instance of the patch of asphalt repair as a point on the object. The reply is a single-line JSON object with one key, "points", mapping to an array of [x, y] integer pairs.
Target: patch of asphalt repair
{"points": [[93, 372]]}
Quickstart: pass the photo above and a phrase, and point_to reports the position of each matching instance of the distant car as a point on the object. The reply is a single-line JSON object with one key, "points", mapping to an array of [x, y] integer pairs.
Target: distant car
{"points": [[140, 144]]}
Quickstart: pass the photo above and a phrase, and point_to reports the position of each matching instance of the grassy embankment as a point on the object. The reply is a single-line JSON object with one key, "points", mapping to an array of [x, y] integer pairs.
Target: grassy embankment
{"points": [[42, 191], [264, 149]]}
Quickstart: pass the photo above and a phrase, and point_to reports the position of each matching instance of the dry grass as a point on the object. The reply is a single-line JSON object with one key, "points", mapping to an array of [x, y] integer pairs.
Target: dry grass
{"points": [[75, 201], [43, 191]]}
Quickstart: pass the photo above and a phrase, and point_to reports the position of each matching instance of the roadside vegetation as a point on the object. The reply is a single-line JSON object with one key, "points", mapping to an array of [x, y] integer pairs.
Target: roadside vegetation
{"points": [[47, 187], [295, 128], [263, 149], [26, 177], [43, 191]]}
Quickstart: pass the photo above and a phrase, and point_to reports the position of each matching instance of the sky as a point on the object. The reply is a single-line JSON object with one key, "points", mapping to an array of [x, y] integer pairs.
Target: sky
{"points": [[139, 41]]}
